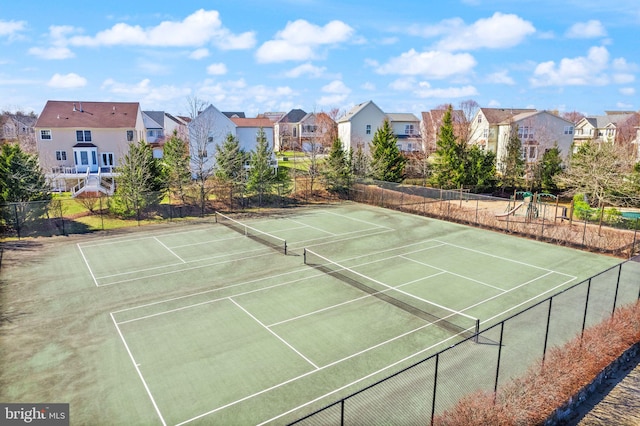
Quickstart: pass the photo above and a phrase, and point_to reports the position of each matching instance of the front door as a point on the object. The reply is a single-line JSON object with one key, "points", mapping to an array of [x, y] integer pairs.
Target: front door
{"points": [[86, 159]]}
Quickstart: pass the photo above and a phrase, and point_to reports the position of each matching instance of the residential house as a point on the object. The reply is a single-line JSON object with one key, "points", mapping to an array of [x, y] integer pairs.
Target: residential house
{"points": [[357, 127], [247, 131], [210, 128], [19, 128], [273, 116], [614, 127], [286, 131], [432, 122], [234, 114], [159, 126], [80, 143], [406, 127], [538, 131]]}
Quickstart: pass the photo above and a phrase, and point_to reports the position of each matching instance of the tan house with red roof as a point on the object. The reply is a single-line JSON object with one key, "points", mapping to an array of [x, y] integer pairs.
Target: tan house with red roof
{"points": [[80, 143]]}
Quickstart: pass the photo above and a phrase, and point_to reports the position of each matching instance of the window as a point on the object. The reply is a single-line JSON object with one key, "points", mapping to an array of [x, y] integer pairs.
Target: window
{"points": [[408, 129], [479, 119], [202, 153], [295, 132], [84, 158], [368, 129], [610, 132], [568, 130], [532, 152], [525, 132], [61, 155], [107, 158], [83, 135], [129, 135], [45, 135], [485, 133]]}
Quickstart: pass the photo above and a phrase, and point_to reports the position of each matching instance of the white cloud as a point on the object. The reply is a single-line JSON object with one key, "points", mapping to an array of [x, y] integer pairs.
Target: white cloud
{"points": [[589, 29], [496, 32], [11, 28], [336, 86], [500, 77], [493, 103], [238, 95], [54, 52], [628, 91], [145, 92], [623, 78], [589, 70], [217, 69], [332, 100], [403, 84], [68, 81], [431, 64], [305, 69], [300, 41], [201, 53], [337, 93], [197, 29], [623, 105], [424, 90], [368, 86]]}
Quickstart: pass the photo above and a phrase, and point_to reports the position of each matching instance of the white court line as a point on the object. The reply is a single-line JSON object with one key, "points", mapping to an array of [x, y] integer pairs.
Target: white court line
{"points": [[88, 267], [127, 238], [274, 334], [357, 220], [137, 367], [170, 251], [452, 273], [312, 227]]}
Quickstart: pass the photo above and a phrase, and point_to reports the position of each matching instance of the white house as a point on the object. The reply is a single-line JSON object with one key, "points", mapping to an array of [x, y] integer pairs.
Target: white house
{"points": [[357, 127], [406, 127], [210, 128], [614, 127], [247, 131]]}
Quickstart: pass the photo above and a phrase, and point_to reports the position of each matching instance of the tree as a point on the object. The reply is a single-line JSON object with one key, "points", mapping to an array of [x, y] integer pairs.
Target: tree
{"points": [[229, 170], [480, 169], [337, 173], [262, 176], [175, 162], [22, 182], [547, 169], [141, 181], [387, 163], [603, 172], [513, 164], [360, 162], [448, 167]]}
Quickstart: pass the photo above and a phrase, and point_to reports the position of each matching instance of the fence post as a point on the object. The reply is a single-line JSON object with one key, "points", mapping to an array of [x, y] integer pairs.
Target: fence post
{"points": [[62, 219], [586, 305], [435, 388], [342, 412], [635, 232], [615, 295], [15, 214], [495, 386], [546, 333], [101, 214]]}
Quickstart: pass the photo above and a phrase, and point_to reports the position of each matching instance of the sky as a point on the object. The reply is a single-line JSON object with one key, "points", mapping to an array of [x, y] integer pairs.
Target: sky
{"points": [[259, 56]]}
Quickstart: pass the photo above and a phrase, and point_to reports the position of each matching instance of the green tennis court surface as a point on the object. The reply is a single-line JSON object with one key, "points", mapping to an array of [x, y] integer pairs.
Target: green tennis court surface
{"points": [[202, 324]]}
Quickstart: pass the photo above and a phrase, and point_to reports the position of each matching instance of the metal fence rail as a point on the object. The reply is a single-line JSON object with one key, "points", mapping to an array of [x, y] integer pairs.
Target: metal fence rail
{"points": [[419, 393]]}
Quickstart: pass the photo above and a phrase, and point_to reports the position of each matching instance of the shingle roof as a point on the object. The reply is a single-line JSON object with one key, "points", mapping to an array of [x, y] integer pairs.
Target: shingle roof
{"points": [[402, 116], [153, 119], [498, 115], [356, 109], [252, 122], [293, 116], [232, 114], [89, 114]]}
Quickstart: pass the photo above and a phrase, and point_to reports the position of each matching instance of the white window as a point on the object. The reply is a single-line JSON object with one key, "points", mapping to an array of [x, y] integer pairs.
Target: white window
{"points": [[610, 132], [368, 129], [479, 119], [61, 155], [45, 135], [83, 135], [568, 130], [107, 159], [408, 129], [295, 132], [485, 133]]}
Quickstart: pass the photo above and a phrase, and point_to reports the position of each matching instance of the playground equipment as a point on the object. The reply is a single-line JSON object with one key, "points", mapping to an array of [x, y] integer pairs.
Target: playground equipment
{"points": [[532, 204]]}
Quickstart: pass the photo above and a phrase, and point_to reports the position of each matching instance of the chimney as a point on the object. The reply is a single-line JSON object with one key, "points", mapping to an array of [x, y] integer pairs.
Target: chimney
{"points": [[74, 107]]}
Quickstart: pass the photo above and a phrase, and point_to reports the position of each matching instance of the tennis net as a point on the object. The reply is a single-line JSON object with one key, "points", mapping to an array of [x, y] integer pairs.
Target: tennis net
{"points": [[265, 238], [450, 320]]}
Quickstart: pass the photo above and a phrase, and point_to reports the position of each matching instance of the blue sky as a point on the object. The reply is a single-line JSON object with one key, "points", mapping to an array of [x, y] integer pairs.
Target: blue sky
{"points": [[258, 56]]}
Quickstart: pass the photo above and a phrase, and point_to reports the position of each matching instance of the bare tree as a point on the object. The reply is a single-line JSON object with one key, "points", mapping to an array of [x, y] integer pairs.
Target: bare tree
{"points": [[573, 116]]}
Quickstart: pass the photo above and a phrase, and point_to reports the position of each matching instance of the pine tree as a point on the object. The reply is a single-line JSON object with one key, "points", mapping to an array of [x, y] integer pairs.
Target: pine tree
{"points": [[480, 169], [262, 176], [513, 164], [230, 160], [337, 173], [387, 163], [359, 162], [551, 166], [448, 168], [175, 162]]}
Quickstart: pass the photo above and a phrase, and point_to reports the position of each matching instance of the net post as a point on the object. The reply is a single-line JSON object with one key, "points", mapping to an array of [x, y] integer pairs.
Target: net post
{"points": [[215, 217], [477, 331], [304, 255], [285, 248]]}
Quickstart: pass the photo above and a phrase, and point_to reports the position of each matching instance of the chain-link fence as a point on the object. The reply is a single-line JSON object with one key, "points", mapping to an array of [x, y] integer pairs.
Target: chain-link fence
{"points": [[423, 391], [535, 216]]}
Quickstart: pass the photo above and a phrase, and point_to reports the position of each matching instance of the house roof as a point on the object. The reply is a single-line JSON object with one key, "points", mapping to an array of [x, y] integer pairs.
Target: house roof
{"points": [[176, 119], [402, 117], [355, 110], [89, 114], [499, 115], [153, 119], [234, 114], [273, 116], [252, 122], [293, 116]]}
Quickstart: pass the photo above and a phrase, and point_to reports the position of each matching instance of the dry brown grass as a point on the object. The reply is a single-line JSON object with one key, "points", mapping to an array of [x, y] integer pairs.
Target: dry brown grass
{"points": [[532, 398]]}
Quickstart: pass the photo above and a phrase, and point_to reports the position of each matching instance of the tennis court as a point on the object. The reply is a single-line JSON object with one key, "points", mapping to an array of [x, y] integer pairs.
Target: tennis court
{"points": [[215, 324]]}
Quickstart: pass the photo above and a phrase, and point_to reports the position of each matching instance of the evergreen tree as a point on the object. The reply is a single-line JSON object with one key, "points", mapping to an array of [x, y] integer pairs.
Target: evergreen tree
{"points": [[22, 182], [230, 160], [262, 176], [449, 165], [513, 164], [387, 163], [480, 169], [175, 162], [550, 167], [141, 181], [337, 173], [359, 162]]}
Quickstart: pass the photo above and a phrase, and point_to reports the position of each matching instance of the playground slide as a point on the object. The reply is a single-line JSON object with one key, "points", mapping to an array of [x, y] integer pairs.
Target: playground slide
{"points": [[510, 212]]}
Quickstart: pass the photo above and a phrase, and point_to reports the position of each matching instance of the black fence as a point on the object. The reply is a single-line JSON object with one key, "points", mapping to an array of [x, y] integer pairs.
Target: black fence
{"points": [[540, 216], [424, 390]]}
